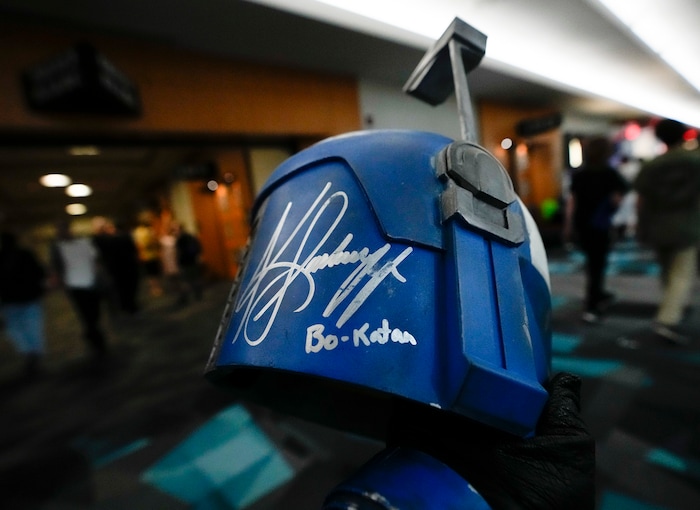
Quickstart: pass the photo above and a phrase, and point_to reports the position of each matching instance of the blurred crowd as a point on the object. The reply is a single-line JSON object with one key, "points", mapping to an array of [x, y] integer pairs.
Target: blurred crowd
{"points": [[657, 203], [99, 272]]}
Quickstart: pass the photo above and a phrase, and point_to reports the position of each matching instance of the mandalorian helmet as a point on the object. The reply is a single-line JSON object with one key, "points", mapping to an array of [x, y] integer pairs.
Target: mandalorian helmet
{"points": [[384, 266]]}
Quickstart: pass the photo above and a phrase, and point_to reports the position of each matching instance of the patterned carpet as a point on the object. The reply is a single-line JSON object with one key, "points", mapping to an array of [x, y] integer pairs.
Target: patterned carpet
{"points": [[640, 395]]}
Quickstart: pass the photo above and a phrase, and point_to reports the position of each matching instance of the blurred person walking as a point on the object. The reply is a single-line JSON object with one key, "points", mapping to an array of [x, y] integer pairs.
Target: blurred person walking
{"points": [[669, 221], [168, 256], [75, 264], [22, 284], [596, 192], [119, 256], [148, 246], [188, 249], [625, 219]]}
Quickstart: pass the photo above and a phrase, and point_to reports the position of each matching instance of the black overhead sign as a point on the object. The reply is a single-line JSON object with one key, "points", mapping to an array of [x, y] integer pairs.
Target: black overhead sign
{"points": [[538, 125], [80, 80], [196, 172]]}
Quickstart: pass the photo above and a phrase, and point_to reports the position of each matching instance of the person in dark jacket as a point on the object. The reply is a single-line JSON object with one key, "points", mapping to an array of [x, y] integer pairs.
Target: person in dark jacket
{"points": [[120, 260], [596, 192], [22, 285], [188, 250]]}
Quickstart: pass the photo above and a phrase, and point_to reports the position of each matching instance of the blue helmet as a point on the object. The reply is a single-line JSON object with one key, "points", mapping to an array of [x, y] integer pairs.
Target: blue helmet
{"points": [[390, 265]]}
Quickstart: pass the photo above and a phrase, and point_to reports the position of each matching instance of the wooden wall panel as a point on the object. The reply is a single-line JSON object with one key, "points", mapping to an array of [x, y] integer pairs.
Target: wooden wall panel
{"points": [[182, 92], [222, 215], [535, 162]]}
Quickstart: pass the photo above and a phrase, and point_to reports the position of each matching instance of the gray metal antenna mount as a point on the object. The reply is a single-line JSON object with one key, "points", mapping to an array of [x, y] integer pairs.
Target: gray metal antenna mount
{"points": [[444, 68], [478, 189]]}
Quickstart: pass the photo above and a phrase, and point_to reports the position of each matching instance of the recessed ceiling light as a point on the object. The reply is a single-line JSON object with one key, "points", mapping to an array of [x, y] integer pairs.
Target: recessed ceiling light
{"points": [[76, 209], [84, 150], [55, 180], [78, 190]]}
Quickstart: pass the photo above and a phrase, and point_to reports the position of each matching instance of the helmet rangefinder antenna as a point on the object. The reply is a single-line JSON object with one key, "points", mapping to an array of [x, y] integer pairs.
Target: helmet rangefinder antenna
{"points": [[444, 68]]}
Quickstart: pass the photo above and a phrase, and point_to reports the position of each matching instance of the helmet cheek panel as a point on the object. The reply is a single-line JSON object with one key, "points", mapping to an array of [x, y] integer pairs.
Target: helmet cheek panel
{"points": [[501, 386]]}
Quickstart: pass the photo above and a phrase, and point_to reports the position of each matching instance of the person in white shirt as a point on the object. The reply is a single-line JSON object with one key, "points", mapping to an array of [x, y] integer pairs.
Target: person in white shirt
{"points": [[75, 262]]}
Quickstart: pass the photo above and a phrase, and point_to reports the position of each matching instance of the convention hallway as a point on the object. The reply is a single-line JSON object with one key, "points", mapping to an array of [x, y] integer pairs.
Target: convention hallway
{"points": [[146, 431]]}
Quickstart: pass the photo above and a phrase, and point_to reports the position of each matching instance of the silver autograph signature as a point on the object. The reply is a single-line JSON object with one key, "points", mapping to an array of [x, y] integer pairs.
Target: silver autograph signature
{"points": [[285, 261]]}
